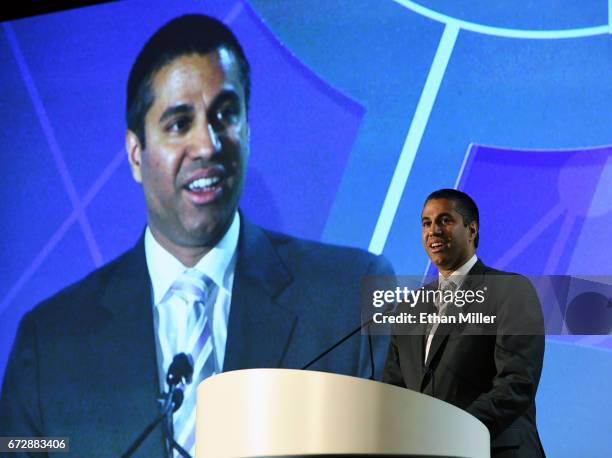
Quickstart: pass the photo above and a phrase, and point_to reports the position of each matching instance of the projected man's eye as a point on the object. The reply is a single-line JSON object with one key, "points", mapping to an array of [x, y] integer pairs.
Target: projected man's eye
{"points": [[179, 125], [228, 114]]}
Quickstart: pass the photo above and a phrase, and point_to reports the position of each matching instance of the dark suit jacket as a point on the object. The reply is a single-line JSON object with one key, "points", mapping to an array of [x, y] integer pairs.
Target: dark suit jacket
{"points": [[84, 365], [493, 377]]}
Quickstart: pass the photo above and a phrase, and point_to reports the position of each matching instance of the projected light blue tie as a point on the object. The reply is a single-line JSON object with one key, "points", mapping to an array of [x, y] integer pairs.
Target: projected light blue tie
{"points": [[192, 291]]}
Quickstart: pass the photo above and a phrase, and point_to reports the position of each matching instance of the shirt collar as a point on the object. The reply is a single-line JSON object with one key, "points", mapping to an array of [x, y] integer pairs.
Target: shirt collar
{"points": [[458, 276], [218, 264]]}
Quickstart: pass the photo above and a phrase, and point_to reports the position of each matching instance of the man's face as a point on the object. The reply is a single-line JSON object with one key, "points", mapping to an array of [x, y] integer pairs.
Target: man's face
{"points": [[196, 133], [448, 243]]}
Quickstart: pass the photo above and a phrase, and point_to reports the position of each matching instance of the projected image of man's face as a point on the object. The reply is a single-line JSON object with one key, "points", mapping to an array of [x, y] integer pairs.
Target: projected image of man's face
{"points": [[192, 168]]}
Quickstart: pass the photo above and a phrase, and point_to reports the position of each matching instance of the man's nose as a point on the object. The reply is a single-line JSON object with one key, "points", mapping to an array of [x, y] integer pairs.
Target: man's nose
{"points": [[206, 142], [435, 228]]}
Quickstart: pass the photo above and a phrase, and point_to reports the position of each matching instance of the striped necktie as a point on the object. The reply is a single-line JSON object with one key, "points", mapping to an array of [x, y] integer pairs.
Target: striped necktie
{"points": [[430, 329], [192, 290]]}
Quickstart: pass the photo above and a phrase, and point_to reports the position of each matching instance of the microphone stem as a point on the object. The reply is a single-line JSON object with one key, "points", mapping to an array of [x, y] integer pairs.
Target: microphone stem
{"points": [[167, 407], [144, 435], [180, 449], [340, 342], [371, 356]]}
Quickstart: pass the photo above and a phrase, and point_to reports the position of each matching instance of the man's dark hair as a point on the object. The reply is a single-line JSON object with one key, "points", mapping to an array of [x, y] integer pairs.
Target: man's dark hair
{"points": [[464, 205], [189, 34]]}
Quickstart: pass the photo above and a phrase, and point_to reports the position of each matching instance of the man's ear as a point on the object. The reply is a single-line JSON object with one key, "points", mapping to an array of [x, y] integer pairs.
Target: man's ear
{"points": [[134, 152], [473, 228]]}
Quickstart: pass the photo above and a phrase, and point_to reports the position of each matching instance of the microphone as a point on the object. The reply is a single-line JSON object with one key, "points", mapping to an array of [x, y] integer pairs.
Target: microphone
{"points": [[179, 372]]}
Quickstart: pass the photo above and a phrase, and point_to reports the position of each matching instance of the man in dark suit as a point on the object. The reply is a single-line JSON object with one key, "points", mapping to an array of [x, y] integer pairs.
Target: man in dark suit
{"points": [[490, 370], [90, 362]]}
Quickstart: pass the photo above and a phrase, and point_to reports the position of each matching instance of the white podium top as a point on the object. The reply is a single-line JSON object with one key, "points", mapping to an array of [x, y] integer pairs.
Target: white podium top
{"points": [[282, 412]]}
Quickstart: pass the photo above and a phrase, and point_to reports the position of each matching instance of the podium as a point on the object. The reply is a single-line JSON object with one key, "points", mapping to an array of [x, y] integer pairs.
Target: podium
{"points": [[293, 413]]}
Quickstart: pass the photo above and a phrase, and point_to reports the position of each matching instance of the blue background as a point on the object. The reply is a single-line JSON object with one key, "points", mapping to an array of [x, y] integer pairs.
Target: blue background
{"points": [[359, 110]]}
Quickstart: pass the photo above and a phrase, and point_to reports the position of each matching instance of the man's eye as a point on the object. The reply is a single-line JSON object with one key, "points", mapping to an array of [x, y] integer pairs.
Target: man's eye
{"points": [[228, 115], [178, 125], [426, 223]]}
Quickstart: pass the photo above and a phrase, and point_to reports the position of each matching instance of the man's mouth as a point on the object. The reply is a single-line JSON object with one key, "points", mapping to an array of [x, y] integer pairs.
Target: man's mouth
{"points": [[204, 184], [436, 246], [205, 187]]}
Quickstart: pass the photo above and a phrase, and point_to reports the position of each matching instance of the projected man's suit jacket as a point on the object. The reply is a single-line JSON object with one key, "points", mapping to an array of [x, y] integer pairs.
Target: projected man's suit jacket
{"points": [[84, 363]]}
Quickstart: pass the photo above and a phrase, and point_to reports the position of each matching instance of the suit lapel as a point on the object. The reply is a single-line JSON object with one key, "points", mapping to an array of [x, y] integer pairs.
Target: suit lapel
{"points": [[425, 307], [439, 338], [259, 329], [473, 279], [126, 349]]}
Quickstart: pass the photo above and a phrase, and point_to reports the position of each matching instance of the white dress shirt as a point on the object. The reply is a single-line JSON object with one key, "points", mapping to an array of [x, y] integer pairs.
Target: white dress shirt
{"points": [[219, 265]]}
